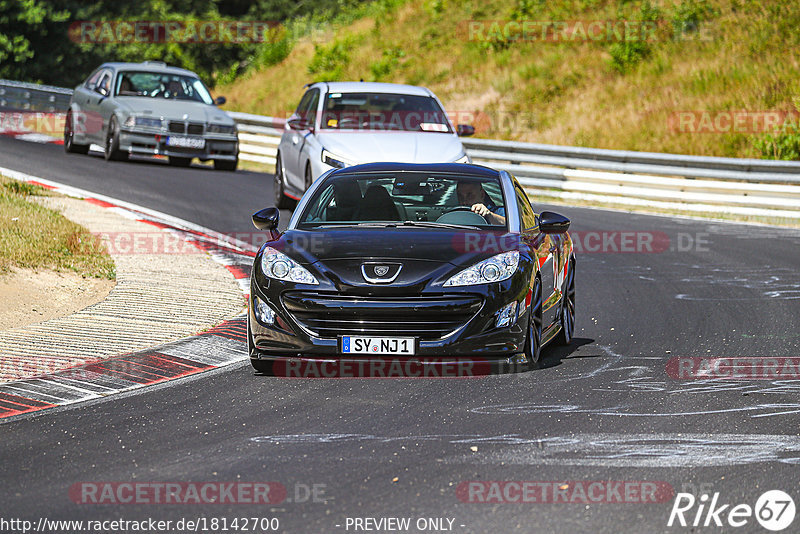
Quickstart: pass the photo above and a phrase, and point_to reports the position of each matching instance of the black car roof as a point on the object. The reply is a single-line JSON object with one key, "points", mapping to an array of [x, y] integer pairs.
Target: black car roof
{"points": [[449, 168]]}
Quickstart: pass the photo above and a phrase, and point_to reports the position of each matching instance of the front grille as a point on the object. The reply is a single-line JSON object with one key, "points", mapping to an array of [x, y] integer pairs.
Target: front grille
{"points": [[191, 128], [427, 318]]}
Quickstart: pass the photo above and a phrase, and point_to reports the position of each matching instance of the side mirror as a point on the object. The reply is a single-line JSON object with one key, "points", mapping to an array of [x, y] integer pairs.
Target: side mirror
{"points": [[102, 90], [465, 130], [266, 219], [552, 223], [220, 100], [299, 124]]}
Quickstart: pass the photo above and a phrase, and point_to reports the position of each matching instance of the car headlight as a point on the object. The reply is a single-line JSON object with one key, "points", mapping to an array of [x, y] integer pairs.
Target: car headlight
{"points": [[463, 159], [494, 269], [221, 129], [279, 266], [329, 158], [147, 122]]}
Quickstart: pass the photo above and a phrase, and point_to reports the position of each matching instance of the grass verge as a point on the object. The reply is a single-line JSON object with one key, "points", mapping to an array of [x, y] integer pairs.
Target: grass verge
{"points": [[35, 237]]}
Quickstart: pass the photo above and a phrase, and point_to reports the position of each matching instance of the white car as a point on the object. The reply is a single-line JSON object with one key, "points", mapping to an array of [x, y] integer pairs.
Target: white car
{"points": [[339, 124]]}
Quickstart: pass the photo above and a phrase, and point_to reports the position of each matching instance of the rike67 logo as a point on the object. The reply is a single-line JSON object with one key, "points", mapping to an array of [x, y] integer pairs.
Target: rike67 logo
{"points": [[774, 510]]}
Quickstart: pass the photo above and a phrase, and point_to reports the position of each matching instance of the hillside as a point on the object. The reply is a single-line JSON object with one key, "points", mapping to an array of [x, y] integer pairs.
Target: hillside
{"points": [[561, 72]]}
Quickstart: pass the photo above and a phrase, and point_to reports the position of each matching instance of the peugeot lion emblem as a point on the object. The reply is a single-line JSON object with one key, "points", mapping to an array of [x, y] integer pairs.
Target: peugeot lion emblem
{"points": [[380, 273]]}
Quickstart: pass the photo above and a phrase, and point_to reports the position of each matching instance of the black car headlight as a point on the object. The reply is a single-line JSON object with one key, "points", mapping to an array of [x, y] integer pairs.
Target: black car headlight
{"points": [[279, 266], [494, 269], [221, 129]]}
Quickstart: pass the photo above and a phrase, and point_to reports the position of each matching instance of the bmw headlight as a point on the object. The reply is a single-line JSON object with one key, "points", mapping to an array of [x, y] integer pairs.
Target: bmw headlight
{"points": [[221, 129], [147, 122], [279, 266], [329, 158], [463, 159], [494, 269]]}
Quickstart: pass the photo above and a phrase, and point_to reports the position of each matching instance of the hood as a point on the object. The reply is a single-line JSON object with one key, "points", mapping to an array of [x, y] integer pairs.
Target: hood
{"points": [[425, 254], [408, 147], [174, 109]]}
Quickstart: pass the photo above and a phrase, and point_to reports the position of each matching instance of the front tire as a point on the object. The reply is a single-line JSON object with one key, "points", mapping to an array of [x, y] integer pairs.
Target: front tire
{"points": [[533, 341], [260, 366], [112, 151], [282, 202], [567, 315], [69, 138]]}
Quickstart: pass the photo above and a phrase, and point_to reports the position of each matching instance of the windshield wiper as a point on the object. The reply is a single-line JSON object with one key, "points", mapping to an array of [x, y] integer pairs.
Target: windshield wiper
{"points": [[376, 224], [432, 224]]}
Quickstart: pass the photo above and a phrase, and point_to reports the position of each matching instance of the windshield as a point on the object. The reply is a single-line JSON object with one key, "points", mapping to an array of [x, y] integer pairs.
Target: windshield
{"points": [[421, 199], [162, 85], [382, 111]]}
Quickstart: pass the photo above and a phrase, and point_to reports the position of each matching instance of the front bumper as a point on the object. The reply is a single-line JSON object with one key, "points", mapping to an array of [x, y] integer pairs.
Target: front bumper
{"points": [[155, 144], [477, 336]]}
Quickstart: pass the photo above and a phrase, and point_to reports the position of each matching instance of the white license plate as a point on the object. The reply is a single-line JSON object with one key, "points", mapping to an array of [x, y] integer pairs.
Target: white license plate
{"points": [[186, 142], [377, 345]]}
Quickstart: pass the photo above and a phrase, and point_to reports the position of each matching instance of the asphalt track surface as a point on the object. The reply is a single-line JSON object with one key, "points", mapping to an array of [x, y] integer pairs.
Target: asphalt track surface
{"points": [[602, 409]]}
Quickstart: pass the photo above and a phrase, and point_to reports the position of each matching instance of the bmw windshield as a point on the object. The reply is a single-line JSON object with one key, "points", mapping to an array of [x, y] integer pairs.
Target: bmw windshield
{"points": [[162, 85]]}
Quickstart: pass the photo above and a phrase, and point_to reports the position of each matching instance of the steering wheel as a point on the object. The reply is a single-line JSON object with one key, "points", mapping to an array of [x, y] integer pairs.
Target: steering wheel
{"points": [[458, 208], [458, 220]]}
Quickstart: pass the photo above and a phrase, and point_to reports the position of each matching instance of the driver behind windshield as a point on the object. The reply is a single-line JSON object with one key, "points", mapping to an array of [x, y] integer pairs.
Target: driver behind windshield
{"points": [[474, 196]]}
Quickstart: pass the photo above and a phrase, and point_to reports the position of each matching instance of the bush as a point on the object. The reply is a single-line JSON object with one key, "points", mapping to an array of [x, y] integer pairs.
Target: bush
{"points": [[784, 146], [626, 54], [329, 62], [384, 66]]}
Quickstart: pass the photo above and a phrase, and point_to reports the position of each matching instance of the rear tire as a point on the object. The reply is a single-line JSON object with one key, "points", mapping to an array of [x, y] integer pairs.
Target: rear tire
{"points": [[69, 138], [567, 314], [176, 161], [112, 151], [225, 164], [533, 341], [282, 202]]}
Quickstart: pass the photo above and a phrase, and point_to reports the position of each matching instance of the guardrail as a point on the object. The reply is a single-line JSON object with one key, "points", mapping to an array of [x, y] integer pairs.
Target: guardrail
{"points": [[670, 181]]}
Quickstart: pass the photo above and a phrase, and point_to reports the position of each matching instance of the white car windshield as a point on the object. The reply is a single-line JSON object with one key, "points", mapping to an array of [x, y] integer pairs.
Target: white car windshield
{"points": [[383, 111], [162, 85]]}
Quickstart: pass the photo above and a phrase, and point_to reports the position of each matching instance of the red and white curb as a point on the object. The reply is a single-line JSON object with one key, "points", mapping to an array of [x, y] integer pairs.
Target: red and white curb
{"points": [[34, 137], [223, 345]]}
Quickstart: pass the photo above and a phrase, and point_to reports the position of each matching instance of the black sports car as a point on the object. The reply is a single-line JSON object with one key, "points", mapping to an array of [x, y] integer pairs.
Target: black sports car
{"points": [[406, 260]]}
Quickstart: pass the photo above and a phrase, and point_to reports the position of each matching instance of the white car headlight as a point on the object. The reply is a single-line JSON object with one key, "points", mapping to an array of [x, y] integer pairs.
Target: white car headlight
{"points": [[329, 158], [279, 266], [463, 159], [494, 269], [148, 122]]}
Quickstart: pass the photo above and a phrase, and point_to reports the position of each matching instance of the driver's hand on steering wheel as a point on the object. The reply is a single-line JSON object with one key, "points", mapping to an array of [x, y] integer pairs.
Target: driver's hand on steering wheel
{"points": [[480, 209]]}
